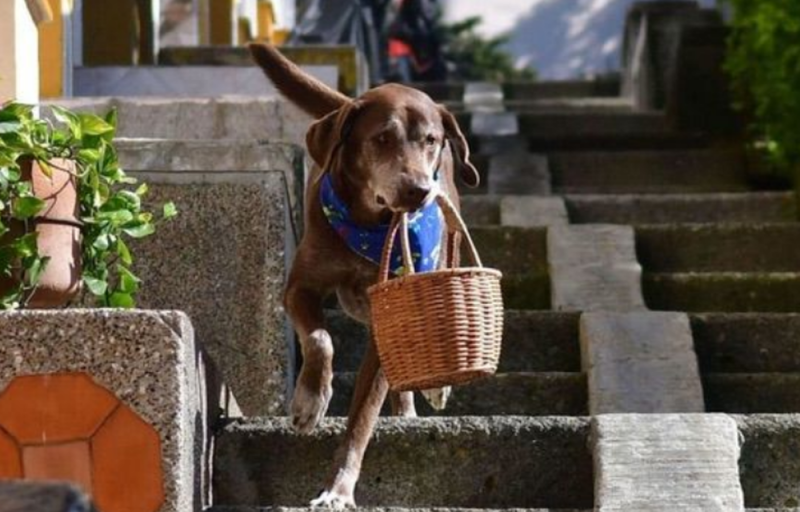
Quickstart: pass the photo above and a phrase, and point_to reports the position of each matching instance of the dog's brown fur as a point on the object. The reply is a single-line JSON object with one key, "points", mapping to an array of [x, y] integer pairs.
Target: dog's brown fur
{"points": [[382, 150]]}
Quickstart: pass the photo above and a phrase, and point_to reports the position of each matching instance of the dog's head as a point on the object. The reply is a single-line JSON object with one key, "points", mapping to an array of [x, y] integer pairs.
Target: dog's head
{"points": [[388, 145]]}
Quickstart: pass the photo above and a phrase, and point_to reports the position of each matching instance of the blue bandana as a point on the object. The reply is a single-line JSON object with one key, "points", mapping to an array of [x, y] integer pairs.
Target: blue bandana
{"points": [[424, 233]]}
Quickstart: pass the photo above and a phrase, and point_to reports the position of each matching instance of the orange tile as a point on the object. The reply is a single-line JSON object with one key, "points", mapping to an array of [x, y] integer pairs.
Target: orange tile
{"points": [[69, 462], [10, 463], [39, 409], [126, 457]]}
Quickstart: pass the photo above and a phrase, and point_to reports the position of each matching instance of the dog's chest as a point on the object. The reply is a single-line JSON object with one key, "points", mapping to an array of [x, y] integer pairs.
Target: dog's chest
{"points": [[352, 292]]}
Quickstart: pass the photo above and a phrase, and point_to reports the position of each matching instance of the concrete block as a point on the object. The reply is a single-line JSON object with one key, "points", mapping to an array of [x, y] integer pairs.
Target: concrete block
{"points": [[640, 362], [494, 123], [483, 97], [148, 359], [518, 172], [594, 268], [223, 260], [532, 211], [17, 496], [666, 463]]}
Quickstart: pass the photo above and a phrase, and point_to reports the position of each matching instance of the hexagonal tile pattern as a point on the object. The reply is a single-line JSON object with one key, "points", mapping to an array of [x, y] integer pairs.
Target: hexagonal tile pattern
{"points": [[67, 427]]}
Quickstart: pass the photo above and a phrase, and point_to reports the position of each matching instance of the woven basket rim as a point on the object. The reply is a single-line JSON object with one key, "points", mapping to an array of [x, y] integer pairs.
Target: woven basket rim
{"points": [[448, 272]]}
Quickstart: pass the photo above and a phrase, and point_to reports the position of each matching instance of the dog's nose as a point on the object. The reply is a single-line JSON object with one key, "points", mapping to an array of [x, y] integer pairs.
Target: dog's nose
{"points": [[416, 194]]}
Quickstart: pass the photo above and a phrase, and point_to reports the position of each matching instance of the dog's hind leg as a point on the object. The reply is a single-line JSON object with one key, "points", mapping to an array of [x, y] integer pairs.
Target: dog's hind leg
{"points": [[370, 393], [314, 388], [403, 404]]}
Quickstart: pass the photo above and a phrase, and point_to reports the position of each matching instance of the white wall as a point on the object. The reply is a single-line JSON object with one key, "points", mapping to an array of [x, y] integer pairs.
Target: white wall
{"points": [[559, 38], [19, 53]]}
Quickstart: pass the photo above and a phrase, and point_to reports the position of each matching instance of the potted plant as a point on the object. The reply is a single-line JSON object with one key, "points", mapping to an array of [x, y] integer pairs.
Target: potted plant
{"points": [[66, 210]]}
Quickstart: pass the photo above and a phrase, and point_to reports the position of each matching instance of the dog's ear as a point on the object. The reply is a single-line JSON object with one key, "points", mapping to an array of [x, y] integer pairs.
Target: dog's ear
{"points": [[327, 135], [460, 149]]}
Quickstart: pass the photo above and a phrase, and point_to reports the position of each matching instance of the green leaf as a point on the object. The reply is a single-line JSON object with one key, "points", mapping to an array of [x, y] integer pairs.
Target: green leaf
{"points": [[89, 156], [140, 230], [45, 167], [128, 282], [102, 243], [170, 210], [121, 300], [27, 207], [71, 119], [93, 125], [9, 127], [26, 246], [142, 190], [36, 269], [116, 217], [123, 252], [98, 287]]}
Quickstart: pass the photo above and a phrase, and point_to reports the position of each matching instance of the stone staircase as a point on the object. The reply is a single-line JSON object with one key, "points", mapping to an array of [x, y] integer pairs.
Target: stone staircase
{"points": [[626, 222]]}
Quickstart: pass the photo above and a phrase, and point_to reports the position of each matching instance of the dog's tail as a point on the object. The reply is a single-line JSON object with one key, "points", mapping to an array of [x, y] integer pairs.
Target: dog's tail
{"points": [[305, 91]]}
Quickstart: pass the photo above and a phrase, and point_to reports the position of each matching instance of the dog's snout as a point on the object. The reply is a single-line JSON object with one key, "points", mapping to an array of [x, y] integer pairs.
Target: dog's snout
{"points": [[416, 193]]}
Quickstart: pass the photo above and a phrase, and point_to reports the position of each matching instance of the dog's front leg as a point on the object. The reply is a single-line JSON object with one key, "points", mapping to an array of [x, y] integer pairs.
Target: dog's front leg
{"points": [[314, 388], [370, 393]]}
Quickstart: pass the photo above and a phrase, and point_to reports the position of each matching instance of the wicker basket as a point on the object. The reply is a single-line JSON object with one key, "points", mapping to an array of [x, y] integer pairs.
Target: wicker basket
{"points": [[436, 328]]}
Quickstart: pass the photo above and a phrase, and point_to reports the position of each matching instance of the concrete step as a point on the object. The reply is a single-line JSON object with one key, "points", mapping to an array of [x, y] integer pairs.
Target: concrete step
{"points": [[719, 248], [682, 208], [634, 209], [491, 462], [535, 341], [577, 130], [454, 91], [553, 105], [723, 292], [401, 509], [432, 509], [648, 172], [527, 394], [752, 393]]}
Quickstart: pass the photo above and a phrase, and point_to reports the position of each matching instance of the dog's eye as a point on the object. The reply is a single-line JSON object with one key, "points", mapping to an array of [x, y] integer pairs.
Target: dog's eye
{"points": [[382, 139], [430, 140]]}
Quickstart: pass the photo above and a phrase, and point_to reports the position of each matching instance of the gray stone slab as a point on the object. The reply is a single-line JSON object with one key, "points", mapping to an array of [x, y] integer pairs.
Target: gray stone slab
{"points": [[494, 123], [184, 81], [532, 211], [640, 362], [17, 496], [146, 358], [501, 462], [219, 118], [192, 158], [483, 97], [666, 463], [223, 260], [518, 172], [594, 268]]}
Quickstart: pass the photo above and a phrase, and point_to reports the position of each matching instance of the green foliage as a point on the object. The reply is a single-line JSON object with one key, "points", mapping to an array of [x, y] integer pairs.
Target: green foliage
{"points": [[110, 211], [764, 63], [476, 58]]}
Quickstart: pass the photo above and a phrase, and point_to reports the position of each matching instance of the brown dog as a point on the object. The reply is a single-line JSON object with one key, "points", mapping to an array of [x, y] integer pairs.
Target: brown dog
{"points": [[382, 151]]}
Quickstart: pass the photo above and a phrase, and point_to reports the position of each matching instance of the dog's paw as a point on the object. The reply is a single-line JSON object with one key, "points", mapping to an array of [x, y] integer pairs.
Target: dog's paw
{"points": [[309, 406], [437, 397], [333, 500]]}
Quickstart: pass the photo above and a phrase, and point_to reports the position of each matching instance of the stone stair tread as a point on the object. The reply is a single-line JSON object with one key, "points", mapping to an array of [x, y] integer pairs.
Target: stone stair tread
{"points": [[661, 171], [752, 393], [534, 341], [637, 209], [517, 393], [506, 461], [706, 292], [514, 461], [243, 508], [708, 247]]}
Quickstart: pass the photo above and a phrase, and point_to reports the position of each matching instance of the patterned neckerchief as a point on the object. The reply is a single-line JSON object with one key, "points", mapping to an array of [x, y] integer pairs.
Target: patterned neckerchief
{"points": [[424, 232]]}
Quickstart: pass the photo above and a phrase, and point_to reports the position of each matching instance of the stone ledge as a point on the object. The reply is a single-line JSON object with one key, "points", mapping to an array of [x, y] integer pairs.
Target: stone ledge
{"points": [[147, 358]]}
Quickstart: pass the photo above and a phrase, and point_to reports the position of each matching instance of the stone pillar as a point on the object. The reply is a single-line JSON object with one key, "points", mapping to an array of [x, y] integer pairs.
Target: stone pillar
{"points": [[19, 58]]}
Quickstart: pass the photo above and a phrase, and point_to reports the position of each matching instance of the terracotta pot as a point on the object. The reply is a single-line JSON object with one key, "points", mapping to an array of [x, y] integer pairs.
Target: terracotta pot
{"points": [[59, 233]]}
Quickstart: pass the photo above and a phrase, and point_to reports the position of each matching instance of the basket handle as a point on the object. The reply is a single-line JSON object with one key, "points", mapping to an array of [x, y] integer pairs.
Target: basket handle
{"points": [[455, 226]]}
